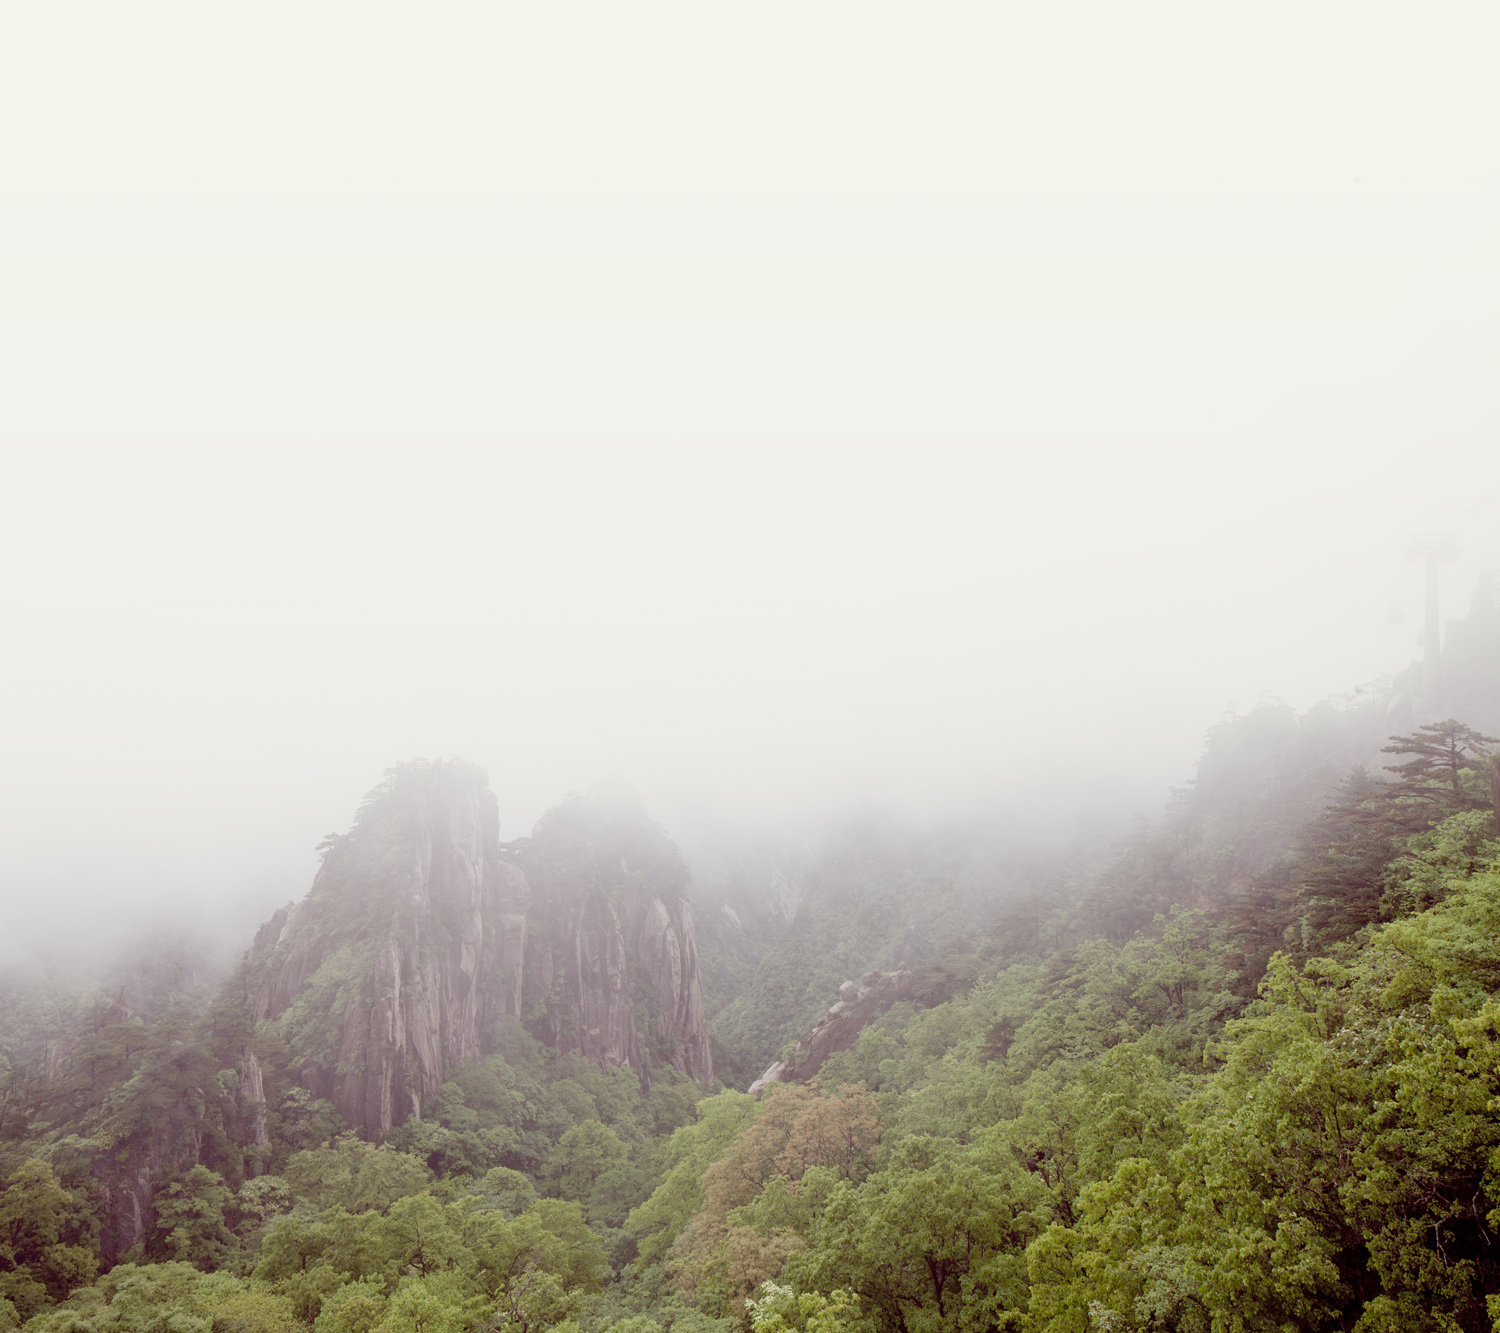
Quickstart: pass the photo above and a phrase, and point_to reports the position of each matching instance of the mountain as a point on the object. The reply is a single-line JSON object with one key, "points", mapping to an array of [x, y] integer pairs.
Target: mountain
{"points": [[1236, 1068], [425, 948], [422, 935]]}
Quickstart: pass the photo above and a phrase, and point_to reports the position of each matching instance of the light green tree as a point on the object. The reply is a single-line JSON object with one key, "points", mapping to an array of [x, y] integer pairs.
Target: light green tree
{"points": [[583, 1154], [780, 1309], [355, 1175], [934, 1240]]}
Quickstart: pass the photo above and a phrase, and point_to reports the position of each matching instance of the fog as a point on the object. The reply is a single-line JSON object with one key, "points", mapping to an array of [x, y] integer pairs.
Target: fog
{"points": [[848, 407]]}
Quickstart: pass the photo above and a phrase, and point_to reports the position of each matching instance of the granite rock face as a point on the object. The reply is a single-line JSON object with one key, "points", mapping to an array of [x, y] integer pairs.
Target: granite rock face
{"points": [[422, 935], [614, 932]]}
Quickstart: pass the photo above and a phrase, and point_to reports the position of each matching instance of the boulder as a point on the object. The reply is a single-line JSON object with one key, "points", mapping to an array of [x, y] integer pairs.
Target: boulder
{"points": [[840, 1027]]}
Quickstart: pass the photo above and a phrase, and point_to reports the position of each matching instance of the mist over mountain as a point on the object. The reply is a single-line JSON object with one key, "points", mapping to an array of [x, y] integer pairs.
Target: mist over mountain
{"points": [[458, 1068], [816, 667], [770, 642]]}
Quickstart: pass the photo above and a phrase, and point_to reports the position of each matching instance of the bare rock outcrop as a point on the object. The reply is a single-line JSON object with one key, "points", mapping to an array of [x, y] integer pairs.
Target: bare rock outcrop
{"points": [[610, 906], [839, 1028]]}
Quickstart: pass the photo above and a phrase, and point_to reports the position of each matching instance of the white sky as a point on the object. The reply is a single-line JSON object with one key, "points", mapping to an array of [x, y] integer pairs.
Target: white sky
{"points": [[782, 405]]}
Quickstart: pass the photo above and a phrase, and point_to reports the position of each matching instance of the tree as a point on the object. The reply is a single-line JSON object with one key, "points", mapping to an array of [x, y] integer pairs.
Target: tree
{"points": [[355, 1307], [1119, 1264], [551, 1235], [255, 1312], [658, 1221], [1440, 752], [259, 1201], [582, 1155], [779, 1309], [355, 1175], [190, 1219], [40, 1225], [431, 1304], [422, 1235], [798, 1129], [934, 1240], [1341, 866], [1343, 1158], [534, 1299]]}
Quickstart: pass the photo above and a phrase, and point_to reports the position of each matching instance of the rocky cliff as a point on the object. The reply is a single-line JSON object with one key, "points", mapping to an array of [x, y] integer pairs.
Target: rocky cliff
{"points": [[611, 966], [838, 1030], [422, 935]]}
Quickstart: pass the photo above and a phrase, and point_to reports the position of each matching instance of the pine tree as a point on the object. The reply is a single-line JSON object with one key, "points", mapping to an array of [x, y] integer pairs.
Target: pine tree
{"points": [[1441, 754], [1341, 869]]}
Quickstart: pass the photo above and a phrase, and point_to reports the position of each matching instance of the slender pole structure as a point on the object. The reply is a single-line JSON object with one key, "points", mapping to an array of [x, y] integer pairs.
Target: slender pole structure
{"points": [[1432, 645], [1495, 789], [1433, 551]]}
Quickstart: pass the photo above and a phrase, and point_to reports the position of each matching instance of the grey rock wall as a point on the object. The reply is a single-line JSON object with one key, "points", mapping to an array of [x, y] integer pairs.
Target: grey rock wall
{"points": [[421, 935]]}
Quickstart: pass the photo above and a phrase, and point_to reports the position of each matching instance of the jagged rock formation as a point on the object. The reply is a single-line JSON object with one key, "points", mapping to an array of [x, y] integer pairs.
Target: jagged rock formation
{"points": [[611, 964], [421, 935], [840, 1027]]}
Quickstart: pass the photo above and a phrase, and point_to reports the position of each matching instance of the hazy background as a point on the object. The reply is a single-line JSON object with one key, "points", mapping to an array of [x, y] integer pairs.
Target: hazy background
{"points": [[788, 409]]}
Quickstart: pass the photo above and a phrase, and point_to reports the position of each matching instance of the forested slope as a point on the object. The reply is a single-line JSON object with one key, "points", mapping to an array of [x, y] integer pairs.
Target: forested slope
{"points": [[1235, 1072], [1114, 1134]]}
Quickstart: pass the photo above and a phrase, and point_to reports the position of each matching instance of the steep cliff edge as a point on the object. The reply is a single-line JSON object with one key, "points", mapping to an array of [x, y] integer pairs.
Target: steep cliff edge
{"points": [[611, 966], [421, 936]]}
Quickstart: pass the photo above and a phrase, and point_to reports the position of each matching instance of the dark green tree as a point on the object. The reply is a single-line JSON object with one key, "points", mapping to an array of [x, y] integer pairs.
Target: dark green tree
{"points": [[190, 1219], [1443, 776]]}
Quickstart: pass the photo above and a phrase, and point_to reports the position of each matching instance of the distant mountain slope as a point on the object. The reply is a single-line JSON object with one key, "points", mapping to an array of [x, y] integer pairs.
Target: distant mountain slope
{"points": [[882, 899]]}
